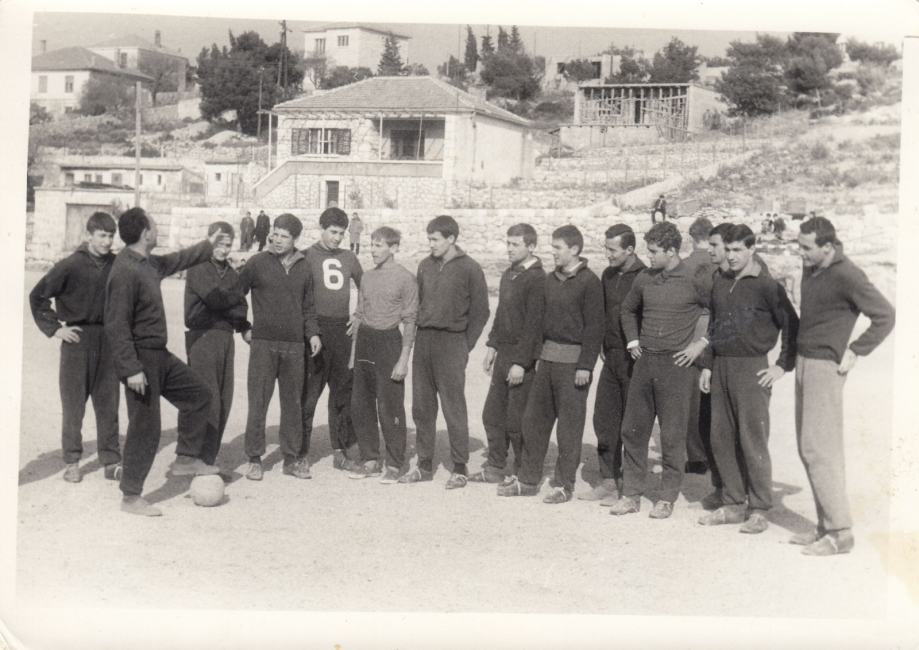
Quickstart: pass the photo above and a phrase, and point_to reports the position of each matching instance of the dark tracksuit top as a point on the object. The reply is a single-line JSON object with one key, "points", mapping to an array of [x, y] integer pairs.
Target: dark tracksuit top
{"points": [[518, 321], [453, 296], [214, 299], [616, 286], [574, 313], [282, 299], [831, 300]]}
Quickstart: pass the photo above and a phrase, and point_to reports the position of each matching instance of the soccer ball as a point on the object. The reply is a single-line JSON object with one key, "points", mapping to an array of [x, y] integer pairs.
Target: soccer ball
{"points": [[207, 490]]}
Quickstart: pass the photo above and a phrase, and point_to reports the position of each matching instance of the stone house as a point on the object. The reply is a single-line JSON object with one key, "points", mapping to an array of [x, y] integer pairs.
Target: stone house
{"points": [[134, 52], [405, 142], [353, 46]]}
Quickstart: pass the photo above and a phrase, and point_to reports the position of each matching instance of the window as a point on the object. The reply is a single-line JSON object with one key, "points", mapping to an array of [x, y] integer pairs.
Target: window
{"points": [[87, 178], [140, 179], [43, 83], [98, 178], [217, 176], [342, 41], [123, 60], [69, 109], [406, 145], [159, 179], [116, 178], [321, 141], [68, 84], [320, 46], [68, 178]]}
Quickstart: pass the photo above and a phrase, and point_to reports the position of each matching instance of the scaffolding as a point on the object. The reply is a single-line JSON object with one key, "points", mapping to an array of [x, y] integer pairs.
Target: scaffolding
{"points": [[661, 106]]}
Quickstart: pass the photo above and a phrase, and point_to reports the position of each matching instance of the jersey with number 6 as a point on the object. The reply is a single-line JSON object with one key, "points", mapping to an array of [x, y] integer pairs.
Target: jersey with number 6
{"points": [[332, 274]]}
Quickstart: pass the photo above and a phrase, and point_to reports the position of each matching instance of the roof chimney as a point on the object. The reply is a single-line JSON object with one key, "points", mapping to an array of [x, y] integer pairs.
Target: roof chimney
{"points": [[157, 39], [44, 46]]}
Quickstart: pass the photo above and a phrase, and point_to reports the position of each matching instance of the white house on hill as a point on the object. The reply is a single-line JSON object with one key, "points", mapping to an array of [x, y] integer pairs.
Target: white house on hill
{"points": [[391, 142], [352, 45]]}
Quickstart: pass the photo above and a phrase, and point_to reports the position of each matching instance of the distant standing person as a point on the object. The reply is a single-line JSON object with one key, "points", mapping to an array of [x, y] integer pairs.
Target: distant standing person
{"points": [[333, 270], [77, 286], [246, 232], [452, 312], [834, 291], [659, 211], [214, 308], [262, 228], [354, 233], [135, 324]]}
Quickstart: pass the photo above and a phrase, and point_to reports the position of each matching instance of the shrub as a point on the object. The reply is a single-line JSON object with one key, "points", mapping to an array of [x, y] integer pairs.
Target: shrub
{"points": [[820, 151]]}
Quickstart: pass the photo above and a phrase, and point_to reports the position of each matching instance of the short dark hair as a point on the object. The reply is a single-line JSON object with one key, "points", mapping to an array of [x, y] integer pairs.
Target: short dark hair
{"points": [[333, 217], [823, 229], [445, 225], [570, 235], [700, 229], [742, 233], [131, 224], [625, 234], [221, 225], [100, 221], [666, 235], [290, 223], [722, 230], [524, 230], [390, 236]]}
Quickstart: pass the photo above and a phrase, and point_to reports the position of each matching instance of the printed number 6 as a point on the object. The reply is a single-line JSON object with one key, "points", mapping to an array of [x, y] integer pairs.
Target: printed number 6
{"points": [[332, 276]]}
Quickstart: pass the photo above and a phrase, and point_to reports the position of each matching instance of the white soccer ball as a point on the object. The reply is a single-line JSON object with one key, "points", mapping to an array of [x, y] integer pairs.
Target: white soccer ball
{"points": [[207, 490]]}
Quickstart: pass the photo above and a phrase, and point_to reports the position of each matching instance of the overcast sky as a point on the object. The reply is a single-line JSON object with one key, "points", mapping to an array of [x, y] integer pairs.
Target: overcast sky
{"points": [[431, 44]]}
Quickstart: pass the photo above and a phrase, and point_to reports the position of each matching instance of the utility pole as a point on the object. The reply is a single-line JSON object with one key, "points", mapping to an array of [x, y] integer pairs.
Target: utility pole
{"points": [[261, 70], [137, 88]]}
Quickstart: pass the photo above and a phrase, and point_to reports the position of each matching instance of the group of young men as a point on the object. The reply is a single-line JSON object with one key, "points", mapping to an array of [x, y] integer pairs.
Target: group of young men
{"points": [[682, 341]]}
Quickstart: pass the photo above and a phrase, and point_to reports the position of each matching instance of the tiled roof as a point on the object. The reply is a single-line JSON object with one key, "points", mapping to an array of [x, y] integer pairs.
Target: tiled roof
{"points": [[412, 94], [364, 27], [132, 40], [79, 58]]}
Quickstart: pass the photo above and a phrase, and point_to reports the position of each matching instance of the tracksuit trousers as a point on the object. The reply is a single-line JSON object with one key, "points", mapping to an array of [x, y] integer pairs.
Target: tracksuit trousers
{"points": [[439, 370], [699, 433], [740, 431], [502, 415], [86, 370], [659, 388], [330, 367], [554, 397], [268, 361], [211, 357], [612, 393], [167, 377], [819, 424], [378, 402]]}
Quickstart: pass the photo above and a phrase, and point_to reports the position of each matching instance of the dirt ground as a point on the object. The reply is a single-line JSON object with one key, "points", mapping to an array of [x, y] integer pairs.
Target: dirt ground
{"points": [[331, 543]]}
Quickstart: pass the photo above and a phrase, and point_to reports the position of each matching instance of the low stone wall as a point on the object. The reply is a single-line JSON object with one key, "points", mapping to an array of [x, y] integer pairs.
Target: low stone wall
{"points": [[307, 191]]}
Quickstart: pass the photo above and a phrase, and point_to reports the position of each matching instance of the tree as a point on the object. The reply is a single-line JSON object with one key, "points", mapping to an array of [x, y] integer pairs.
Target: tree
{"points": [[503, 40], [810, 58], [880, 53], [633, 67], [454, 72], [106, 94], [342, 75], [716, 61], [515, 43], [162, 70], [511, 74], [487, 47], [579, 70], [38, 114], [676, 62], [391, 61], [754, 82], [471, 56], [316, 69]]}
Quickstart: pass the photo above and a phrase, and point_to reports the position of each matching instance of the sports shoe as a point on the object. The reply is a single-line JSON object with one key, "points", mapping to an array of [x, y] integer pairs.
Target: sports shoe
{"points": [[368, 469], [390, 476], [487, 475], [188, 466], [755, 524], [456, 481], [723, 515], [625, 506], [557, 495], [139, 506], [254, 471], [72, 473], [113, 471], [602, 490], [712, 501], [831, 544], [298, 468], [514, 488], [805, 539], [661, 510], [341, 461], [417, 475]]}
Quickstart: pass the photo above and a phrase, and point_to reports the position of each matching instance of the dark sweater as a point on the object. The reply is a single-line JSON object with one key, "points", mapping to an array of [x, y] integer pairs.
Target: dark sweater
{"points": [[213, 298], [77, 286], [616, 286], [282, 299], [831, 300], [134, 313], [669, 303], [453, 296], [574, 312], [518, 319], [748, 312]]}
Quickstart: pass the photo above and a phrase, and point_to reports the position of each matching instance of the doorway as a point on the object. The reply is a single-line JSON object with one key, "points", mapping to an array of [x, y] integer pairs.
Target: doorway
{"points": [[331, 194]]}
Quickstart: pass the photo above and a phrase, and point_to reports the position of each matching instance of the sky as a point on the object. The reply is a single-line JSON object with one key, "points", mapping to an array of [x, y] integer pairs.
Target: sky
{"points": [[431, 44]]}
